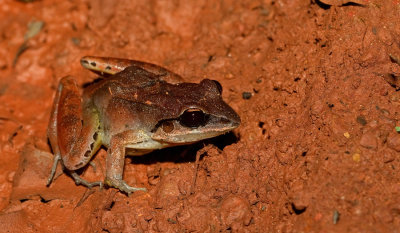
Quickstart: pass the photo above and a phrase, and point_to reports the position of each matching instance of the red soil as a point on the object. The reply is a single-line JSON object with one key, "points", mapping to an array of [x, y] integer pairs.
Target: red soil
{"points": [[316, 87]]}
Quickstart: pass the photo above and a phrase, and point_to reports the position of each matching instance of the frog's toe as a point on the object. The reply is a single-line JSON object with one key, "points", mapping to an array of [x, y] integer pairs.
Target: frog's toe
{"points": [[57, 159], [93, 184], [80, 181], [134, 189], [128, 189], [124, 187]]}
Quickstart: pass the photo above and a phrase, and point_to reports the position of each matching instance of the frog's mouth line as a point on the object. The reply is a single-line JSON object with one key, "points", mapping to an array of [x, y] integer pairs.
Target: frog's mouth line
{"points": [[163, 124], [192, 137], [209, 120]]}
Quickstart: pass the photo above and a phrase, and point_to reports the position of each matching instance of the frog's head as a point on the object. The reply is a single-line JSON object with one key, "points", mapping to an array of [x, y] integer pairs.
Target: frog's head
{"points": [[201, 114]]}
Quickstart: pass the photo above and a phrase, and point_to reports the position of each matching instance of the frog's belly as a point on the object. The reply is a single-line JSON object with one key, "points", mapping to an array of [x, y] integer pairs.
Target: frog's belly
{"points": [[145, 147], [136, 152], [148, 146]]}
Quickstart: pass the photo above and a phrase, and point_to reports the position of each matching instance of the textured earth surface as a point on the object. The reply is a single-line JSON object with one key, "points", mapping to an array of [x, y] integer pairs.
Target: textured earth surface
{"points": [[316, 84]]}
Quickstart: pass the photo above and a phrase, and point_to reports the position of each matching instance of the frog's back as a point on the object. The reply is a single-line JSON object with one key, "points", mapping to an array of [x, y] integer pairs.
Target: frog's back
{"points": [[117, 100], [137, 100]]}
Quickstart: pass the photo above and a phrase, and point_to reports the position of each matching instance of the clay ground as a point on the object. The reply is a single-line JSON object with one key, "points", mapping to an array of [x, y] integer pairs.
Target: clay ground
{"points": [[316, 87]]}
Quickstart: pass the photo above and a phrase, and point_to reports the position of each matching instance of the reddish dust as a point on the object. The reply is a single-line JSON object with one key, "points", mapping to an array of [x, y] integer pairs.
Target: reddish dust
{"points": [[316, 85]]}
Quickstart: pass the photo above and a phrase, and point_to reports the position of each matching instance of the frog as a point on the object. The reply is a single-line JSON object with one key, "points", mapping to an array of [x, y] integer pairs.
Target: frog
{"points": [[132, 109]]}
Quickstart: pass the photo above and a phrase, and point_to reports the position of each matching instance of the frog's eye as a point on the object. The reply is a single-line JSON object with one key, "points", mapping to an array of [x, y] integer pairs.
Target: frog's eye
{"points": [[193, 118], [219, 86]]}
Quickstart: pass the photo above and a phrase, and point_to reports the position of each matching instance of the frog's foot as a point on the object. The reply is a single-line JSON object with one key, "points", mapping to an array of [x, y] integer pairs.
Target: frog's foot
{"points": [[124, 187], [57, 158], [80, 181]]}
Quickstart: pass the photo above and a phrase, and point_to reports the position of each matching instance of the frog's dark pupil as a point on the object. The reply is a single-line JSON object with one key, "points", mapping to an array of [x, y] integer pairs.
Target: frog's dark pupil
{"points": [[193, 118]]}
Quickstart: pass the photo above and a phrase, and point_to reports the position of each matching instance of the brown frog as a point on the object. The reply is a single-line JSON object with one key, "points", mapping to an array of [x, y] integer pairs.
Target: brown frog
{"points": [[134, 109]]}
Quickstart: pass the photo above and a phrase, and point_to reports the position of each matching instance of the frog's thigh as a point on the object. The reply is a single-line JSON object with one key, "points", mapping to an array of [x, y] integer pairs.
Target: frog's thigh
{"points": [[115, 162], [68, 114], [52, 128], [109, 65], [75, 142], [84, 148], [52, 133]]}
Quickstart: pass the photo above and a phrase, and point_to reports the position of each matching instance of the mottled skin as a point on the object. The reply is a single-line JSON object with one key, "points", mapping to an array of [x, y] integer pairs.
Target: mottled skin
{"points": [[140, 106]]}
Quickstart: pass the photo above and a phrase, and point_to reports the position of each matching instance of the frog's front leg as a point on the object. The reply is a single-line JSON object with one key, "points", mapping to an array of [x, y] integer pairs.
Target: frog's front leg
{"points": [[73, 142], [115, 163]]}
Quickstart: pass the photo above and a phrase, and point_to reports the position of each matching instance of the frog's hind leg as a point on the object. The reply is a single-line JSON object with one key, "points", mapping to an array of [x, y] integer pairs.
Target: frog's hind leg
{"points": [[52, 135], [110, 66], [73, 134]]}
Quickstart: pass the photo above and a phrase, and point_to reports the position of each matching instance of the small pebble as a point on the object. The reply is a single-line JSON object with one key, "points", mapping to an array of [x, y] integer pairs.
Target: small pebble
{"points": [[361, 120], [75, 41], [299, 207], [346, 135], [168, 190], [10, 176], [34, 28], [235, 209], [383, 92], [336, 216], [246, 95], [356, 157], [388, 156], [318, 217], [369, 140], [393, 141]]}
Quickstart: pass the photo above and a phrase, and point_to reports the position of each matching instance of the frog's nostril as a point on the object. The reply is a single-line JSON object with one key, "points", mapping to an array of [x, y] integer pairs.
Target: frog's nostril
{"points": [[224, 121]]}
